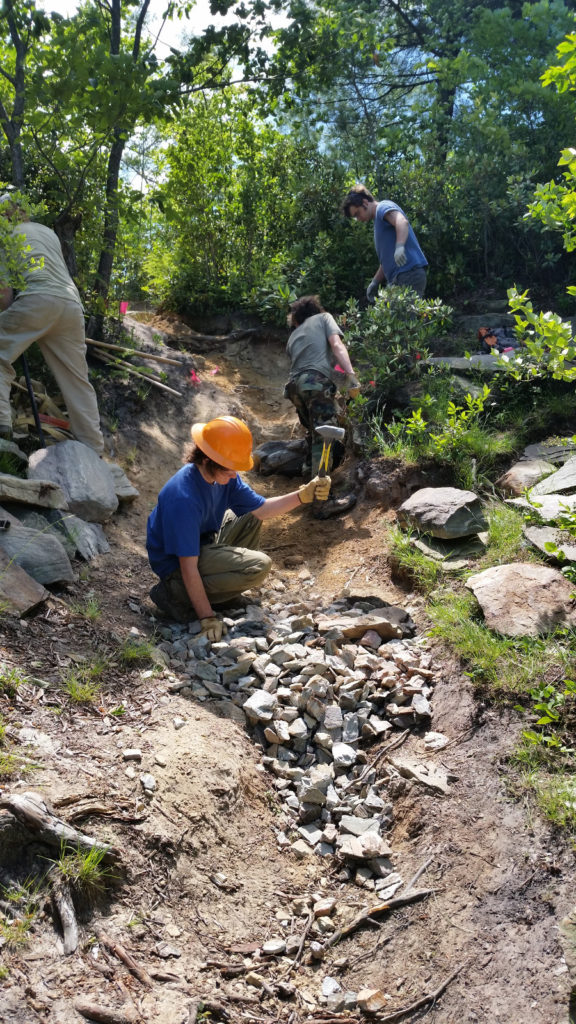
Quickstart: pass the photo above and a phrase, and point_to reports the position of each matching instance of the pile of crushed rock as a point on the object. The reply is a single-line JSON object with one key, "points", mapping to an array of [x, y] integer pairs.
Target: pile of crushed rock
{"points": [[316, 690]]}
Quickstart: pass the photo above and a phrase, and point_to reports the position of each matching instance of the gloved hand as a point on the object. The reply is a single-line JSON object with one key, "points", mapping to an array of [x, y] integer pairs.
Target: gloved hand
{"points": [[400, 257], [318, 488], [212, 628], [372, 290], [352, 386]]}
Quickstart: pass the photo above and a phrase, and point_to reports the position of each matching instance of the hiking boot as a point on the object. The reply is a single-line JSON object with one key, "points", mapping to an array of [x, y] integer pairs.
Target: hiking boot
{"points": [[334, 506], [160, 596]]}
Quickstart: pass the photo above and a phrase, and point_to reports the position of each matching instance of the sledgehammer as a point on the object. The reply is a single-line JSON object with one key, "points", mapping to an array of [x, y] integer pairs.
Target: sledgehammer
{"points": [[328, 433]]}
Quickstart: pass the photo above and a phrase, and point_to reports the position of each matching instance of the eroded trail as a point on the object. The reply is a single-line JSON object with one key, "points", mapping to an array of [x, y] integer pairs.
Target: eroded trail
{"points": [[208, 881]]}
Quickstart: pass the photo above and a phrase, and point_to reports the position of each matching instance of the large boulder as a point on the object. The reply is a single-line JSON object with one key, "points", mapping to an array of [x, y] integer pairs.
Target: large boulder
{"points": [[19, 593], [84, 478], [445, 512], [40, 554], [523, 475], [524, 599]]}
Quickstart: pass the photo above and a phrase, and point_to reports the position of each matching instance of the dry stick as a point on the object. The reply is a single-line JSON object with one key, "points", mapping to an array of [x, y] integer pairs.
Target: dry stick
{"points": [[420, 872], [110, 361], [398, 901], [381, 753], [65, 907], [103, 1014], [431, 998], [294, 963], [135, 352], [125, 957]]}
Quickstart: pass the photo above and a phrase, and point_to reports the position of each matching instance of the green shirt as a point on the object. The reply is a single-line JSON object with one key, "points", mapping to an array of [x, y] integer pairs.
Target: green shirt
{"points": [[308, 346]]}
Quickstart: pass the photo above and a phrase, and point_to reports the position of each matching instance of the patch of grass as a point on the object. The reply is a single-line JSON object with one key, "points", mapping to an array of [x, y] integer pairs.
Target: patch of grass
{"points": [[133, 652], [407, 561], [24, 899], [508, 665], [88, 609], [505, 536], [553, 793], [12, 465], [130, 456], [82, 683], [85, 872], [4, 973], [10, 680]]}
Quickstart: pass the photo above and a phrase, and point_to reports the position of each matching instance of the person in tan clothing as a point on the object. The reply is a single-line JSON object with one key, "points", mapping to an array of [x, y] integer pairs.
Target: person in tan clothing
{"points": [[47, 310]]}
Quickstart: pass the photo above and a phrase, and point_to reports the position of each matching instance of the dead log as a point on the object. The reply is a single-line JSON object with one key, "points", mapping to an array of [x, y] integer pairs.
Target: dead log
{"points": [[31, 811], [134, 352], [104, 1014], [121, 364]]}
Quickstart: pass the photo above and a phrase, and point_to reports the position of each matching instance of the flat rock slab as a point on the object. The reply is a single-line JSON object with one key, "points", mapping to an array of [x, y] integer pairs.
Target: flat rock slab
{"points": [[434, 776], [486, 363], [19, 592], [40, 491], [554, 449], [84, 478], [540, 536], [125, 490], [453, 555], [564, 479], [445, 512], [549, 506], [523, 599], [390, 623], [523, 475], [40, 554]]}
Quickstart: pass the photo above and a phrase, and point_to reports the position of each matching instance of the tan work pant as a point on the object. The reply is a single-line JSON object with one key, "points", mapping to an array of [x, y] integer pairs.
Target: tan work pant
{"points": [[58, 327], [228, 566]]}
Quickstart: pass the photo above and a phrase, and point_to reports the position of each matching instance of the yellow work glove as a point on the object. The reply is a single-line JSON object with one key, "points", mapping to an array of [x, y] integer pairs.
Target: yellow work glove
{"points": [[212, 628], [352, 386], [318, 488]]}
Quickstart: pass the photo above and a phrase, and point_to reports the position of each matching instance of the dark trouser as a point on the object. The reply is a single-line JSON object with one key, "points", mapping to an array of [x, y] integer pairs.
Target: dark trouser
{"points": [[415, 279], [228, 565], [314, 398]]}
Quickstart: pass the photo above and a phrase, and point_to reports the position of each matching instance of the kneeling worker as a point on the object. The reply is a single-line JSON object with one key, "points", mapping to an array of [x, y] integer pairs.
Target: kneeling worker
{"points": [[203, 535]]}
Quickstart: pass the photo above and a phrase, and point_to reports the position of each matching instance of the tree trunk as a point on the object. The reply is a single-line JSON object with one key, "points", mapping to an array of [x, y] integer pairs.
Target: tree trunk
{"points": [[66, 225]]}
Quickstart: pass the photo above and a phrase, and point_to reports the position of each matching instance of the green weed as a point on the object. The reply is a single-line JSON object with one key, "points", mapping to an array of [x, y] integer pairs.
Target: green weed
{"points": [[88, 609], [10, 680], [134, 651], [407, 561], [82, 683], [505, 535], [24, 899], [85, 872]]}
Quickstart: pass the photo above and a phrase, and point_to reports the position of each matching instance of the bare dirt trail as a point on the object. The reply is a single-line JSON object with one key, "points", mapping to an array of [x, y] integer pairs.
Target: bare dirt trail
{"points": [[206, 882]]}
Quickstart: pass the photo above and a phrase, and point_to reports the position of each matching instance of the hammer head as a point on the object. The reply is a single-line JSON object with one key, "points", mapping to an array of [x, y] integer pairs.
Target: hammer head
{"points": [[329, 433]]}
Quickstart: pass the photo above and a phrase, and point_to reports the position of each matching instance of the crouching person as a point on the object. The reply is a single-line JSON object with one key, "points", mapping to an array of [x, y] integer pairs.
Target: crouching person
{"points": [[203, 535]]}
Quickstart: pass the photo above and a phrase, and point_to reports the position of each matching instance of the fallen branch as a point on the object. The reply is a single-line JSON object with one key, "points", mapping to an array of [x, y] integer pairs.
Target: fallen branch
{"points": [[420, 872], [431, 998], [105, 1015], [381, 908], [134, 352], [125, 957], [31, 811], [110, 361]]}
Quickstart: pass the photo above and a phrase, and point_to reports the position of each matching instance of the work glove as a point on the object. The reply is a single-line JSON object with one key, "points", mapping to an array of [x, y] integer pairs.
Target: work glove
{"points": [[372, 290], [400, 257], [212, 628], [318, 488], [352, 386]]}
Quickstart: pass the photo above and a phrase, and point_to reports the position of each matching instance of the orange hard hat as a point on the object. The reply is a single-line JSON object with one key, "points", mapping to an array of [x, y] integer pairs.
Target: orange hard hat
{"points": [[226, 440]]}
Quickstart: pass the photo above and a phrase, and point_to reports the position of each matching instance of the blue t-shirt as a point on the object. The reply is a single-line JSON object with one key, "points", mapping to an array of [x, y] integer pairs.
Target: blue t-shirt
{"points": [[385, 243], [188, 506]]}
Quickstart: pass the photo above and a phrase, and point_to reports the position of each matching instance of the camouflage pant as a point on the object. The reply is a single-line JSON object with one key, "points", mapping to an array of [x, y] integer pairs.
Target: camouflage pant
{"points": [[314, 398]]}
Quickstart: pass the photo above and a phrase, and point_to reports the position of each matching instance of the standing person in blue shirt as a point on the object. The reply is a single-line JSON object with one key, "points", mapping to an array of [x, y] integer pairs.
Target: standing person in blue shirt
{"points": [[203, 536], [402, 262]]}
